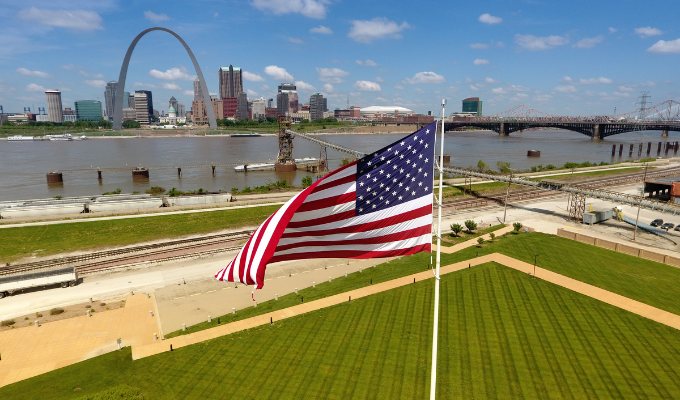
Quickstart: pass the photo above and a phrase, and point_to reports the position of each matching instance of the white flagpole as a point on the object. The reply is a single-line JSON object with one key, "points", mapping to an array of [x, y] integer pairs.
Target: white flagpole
{"points": [[435, 329]]}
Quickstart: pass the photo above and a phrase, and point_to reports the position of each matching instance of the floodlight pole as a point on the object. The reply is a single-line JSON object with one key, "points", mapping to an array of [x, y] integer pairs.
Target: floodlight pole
{"points": [[435, 328], [642, 195]]}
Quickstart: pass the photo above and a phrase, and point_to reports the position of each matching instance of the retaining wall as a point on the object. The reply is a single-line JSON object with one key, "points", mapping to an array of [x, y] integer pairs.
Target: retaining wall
{"points": [[621, 248]]}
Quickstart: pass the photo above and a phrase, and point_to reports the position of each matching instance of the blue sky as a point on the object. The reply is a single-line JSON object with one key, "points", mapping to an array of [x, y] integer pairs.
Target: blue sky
{"points": [[566, 58]]}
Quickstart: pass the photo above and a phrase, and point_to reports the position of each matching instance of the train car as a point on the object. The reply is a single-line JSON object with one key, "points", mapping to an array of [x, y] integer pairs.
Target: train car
{"points": [[65, 277]]}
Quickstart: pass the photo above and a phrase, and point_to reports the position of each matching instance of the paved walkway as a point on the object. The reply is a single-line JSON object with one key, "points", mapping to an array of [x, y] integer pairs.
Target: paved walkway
{"points": [[31, 351]]}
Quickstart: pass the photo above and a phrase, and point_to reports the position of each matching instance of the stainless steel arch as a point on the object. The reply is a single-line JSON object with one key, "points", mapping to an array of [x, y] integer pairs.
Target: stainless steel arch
{"points": [[118, 105]]}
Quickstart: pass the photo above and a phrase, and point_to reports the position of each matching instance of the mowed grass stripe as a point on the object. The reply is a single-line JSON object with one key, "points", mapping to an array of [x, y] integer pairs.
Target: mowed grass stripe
{"points": [[341, 347]]}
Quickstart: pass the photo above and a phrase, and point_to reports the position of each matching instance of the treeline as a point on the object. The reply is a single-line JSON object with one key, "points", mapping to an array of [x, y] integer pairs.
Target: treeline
{"points": [[102, 123], [270, 122]]}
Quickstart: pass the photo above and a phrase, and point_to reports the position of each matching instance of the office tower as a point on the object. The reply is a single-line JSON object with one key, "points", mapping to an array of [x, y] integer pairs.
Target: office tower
{"points": [[316, 106], [54, 110], [473, 105], [270, 102], [88, 110], [173, 103], [231, 81], [181, 110], [282, 104], [142, 114], [198, 92], [259, 109], [242, 107], [110, 98], [149, 101]]}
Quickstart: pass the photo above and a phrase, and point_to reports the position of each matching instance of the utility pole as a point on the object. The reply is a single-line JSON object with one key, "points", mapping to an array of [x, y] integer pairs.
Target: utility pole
{"points": [[642, 195], [507, 192]]}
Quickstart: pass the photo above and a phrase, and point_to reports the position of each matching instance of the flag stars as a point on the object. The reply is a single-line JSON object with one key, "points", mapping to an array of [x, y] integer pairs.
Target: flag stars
{"points": [[426, 160], [382, 184], [369, 163], [420, 156], [382, 158], [381, 172], [375, 179], [387, 202], [394, 193], [402, 143], [400, 197], [374, 206], [420, 183], [412, 194], [426, 145]]}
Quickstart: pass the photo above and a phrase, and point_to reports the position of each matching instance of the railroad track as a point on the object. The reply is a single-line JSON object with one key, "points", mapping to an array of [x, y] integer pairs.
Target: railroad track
{"points": [[128, 253]]}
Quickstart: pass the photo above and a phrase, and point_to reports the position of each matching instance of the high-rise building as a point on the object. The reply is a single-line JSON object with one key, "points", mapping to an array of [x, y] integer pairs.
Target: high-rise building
{"points": [[258, 108], [199, 114], [242, 107], [149, 101], [473, 105], [325, 104], [270, 103], [127, 102], [142, 114], [54, 109], [229, 107], [110, 98], [198, 92], [173, 103], [231, 81], [181, 110], [282, 104], [291, 91], [316, 106], [88, 110]]}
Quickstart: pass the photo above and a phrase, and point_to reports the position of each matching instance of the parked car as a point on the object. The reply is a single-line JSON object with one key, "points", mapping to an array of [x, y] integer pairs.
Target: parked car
{"points": [[667, 226], [677, 228], [657, 222]]}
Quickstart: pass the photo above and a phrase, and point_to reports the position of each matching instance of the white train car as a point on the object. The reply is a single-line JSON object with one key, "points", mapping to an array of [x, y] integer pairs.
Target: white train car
{"points": [[65, 277]]}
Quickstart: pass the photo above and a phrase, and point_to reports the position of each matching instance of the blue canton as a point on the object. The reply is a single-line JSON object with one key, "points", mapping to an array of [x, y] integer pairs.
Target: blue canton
{"points": [[398, 173]]}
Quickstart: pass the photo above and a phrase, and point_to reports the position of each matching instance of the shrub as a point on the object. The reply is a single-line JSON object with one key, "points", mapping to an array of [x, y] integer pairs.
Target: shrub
{"points": [[482, 166], [234, 190], [470, 225], [155, 190], [550, 166], [246, 189], [58, 197], [480, 240], [492, 236], [504, 167], [117, 191], [7, 322], [456, 229], [88, 306], [306, 181], [25, 318], [517, 226], [102, 304], [56, 311], [39, 315]]}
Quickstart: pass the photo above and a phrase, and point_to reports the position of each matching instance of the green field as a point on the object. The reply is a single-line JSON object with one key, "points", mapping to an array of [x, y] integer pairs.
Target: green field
{"points": [[59, 238], [502, 335], [593, 173]]}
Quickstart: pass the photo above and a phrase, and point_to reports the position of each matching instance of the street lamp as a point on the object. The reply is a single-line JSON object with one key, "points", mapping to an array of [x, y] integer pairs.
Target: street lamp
{"points": [[507, 193], [536, 256]]}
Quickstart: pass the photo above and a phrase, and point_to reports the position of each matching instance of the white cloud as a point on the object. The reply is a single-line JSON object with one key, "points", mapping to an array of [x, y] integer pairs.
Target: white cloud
{"points": [[377, 28], [566, 79], [489, 19], [479, 46], [663, 46], [398, 87], [595, 81], [647, 32], [368, 63], [170, 86], [331, 75], [143, 85], [96, 83], [473, 87], [69, 67], [308, 8], [647, 83], [490, 80], [252, 77], [278, 73], [153, 17], [172, 74], [35, 88], [517, 88], [304, 86], [426, 77], [480, 61], [79, 20], [418, 90], [468, 80], [566, 89], [188, 92], [251, 92], [327, 87], [367, 86], [39, 74], [542, 97], [499, 90], [296, 40], [216, 14], [379, 79], [589, 43], [531, 42], [626, 89], [612, 30], [89, 75], [323, 30]]}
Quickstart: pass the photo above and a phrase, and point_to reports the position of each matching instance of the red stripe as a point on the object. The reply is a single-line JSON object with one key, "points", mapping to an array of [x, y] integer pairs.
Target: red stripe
{"points": [[393, 237], [323, 220], [249, 280], [337, 182], [370, 226], [356, 254], [328, 202]]}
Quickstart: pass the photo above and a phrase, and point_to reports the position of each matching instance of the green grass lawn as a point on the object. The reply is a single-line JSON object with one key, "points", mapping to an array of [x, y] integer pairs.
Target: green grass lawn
{"points": [[592, 173], [502, 335], [58, 238], [450, 239]]}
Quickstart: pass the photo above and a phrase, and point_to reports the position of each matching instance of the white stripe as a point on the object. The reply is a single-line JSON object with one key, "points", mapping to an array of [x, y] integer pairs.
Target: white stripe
{"points": [[372, 217], [344, 173], [425, 220], [348, 187], [323, 212], [401, 244]]}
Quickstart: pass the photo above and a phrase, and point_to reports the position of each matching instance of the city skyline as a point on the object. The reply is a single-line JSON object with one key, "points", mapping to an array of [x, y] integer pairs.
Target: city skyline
{"points": [[552, 57]]}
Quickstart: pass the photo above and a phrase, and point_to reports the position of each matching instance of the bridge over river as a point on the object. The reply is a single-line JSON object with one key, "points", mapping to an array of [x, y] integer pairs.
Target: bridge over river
{"points": [[664, 117]]}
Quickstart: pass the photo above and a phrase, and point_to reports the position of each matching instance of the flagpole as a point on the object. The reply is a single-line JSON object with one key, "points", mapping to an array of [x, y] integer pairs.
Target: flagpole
{"points": [[435, 329]]}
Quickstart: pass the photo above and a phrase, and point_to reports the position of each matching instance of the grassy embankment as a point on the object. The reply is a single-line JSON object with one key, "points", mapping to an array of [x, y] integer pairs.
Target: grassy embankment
{"points": [[25, 241], [502, 335]]}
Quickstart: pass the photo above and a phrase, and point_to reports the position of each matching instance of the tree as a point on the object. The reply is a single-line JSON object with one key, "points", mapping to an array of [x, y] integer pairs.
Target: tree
{"points": [[67, 124], [492, 236], [456, 229], [517, 226], [504, 167], [272, 120], [102, 123], [470, 225], [306, 181], [482, 166], [480, 240], [130, 124]]}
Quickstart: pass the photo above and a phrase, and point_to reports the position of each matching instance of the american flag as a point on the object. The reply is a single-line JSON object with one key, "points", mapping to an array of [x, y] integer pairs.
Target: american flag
{"points": [[378, 206]]}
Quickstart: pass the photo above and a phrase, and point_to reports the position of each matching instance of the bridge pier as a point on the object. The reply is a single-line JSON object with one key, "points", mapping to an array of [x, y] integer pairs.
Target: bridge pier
{"points": [[597, 133], [664, 133], [501, 129]]}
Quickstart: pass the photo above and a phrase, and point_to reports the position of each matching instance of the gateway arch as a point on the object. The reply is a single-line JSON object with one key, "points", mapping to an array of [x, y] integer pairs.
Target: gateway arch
{"points": [[118, 104]]}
